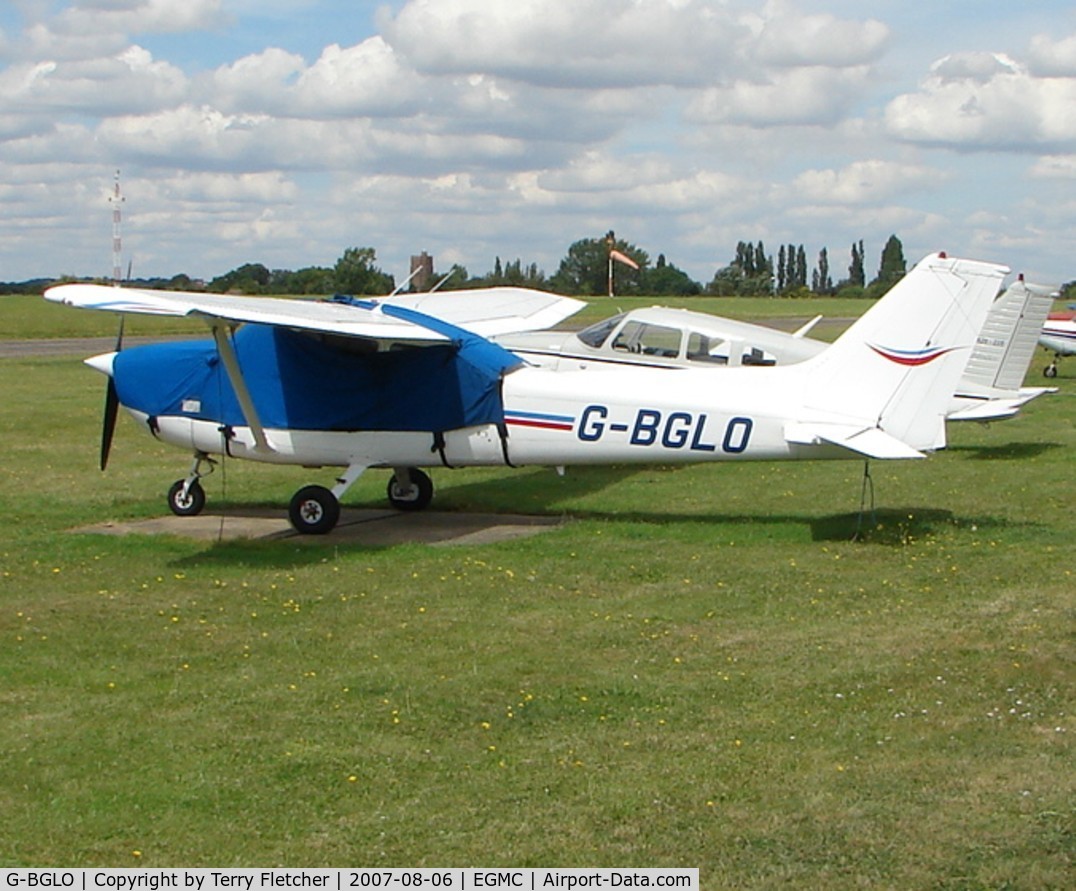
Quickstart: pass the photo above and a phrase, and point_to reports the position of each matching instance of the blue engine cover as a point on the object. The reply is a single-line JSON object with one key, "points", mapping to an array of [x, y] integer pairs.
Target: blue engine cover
{"points": [[308, 381]]}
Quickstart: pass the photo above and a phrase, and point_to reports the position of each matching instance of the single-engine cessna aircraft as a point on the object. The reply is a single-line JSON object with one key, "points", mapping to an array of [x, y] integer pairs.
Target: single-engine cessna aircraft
{"points": [[661, 337], [367, 383], [1058, 336]]}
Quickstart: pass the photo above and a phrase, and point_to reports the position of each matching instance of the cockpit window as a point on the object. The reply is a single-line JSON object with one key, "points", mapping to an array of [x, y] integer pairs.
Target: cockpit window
{"points": [[701, 348], [649, 340], [596, 334]]}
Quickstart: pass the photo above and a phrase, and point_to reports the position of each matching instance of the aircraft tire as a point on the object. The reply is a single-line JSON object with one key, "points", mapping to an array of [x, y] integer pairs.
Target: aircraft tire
{"points": [[420, 495], [190, 506], [314, 510], [1050, 371]]}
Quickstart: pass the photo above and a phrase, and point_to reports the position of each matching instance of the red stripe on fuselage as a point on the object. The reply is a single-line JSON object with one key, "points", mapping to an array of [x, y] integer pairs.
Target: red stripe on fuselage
{"points": [[543, 425]]}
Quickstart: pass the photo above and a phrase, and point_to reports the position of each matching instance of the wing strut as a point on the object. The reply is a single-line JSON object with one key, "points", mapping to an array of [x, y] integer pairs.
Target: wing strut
{"points": [[221, 335]]}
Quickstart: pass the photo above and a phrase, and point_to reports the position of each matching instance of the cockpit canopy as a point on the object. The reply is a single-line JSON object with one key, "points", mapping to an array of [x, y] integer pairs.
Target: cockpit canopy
{"points": [[644, 333]]}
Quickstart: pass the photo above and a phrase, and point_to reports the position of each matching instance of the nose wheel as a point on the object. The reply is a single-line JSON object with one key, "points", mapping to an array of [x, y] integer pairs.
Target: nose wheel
{"points": [[186, 497]]}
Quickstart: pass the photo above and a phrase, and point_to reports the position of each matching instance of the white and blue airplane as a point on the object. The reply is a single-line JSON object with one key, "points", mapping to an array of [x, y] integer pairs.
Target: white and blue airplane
{"points": [[415, 383]]}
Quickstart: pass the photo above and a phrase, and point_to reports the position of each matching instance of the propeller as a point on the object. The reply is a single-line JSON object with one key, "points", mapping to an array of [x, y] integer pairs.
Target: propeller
{"points": [[112, 404]]}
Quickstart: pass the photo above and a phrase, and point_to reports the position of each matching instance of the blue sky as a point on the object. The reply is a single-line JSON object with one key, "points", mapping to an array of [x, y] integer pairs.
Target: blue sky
{"points": [[282, 131]]}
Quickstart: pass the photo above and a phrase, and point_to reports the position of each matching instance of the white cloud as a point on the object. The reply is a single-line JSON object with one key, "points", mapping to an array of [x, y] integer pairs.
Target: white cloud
{"points": [[1053, 58], [1055, 167], [138, 16], [585, 43], [986, 101], [130, 81], [864, 182], [798, 96], [787, 38], [363, 80], [474, 128]]}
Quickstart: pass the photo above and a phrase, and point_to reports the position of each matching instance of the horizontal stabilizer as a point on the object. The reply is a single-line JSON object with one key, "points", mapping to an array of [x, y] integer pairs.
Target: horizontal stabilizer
{"points": [[986, 410], [805, 329], [871, 442], [997, 408]]}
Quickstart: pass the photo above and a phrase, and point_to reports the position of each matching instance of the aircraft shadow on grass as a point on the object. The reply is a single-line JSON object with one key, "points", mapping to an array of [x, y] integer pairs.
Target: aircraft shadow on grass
{"points": [[897, 526], [539, 492], [883, 525], [1010, 451]]}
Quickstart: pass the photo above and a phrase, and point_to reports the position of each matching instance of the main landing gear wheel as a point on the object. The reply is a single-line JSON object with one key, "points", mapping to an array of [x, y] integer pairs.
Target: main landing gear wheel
{"points": [[187, 504], [314, 510], [1050, 370], [414, 497]]}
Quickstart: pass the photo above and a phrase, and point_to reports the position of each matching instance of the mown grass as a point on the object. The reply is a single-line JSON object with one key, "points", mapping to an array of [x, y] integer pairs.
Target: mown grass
{"points": [[699, 668]]}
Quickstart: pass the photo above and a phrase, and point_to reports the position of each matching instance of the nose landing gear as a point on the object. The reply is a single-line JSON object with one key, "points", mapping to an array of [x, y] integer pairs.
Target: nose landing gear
{"points": [[186, 497]]}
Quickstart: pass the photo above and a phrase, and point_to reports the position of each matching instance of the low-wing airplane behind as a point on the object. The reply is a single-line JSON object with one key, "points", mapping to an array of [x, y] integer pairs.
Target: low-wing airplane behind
{"points": [[1058, 336], [364, 383], [663, 337]]}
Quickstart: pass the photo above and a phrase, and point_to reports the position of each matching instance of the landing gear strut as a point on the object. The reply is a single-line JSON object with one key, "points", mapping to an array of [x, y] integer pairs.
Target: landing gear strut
{"points": [[186, 497], [315, 510]]}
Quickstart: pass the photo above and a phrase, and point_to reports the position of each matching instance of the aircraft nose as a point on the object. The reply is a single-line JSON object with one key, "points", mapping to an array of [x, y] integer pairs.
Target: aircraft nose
{"points": [[102, 363]]}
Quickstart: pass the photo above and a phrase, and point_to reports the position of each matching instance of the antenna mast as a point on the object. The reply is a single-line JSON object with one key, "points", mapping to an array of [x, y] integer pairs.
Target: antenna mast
{"points": [[117, 264]]}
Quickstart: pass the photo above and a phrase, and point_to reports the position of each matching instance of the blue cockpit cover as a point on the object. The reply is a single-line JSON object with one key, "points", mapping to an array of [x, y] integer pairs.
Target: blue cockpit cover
{"points": [[306, 381]]}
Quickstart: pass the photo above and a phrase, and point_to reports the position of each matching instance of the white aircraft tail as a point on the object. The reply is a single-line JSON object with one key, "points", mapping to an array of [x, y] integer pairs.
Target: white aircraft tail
{"points": [[883, 388], [1006, 344]]}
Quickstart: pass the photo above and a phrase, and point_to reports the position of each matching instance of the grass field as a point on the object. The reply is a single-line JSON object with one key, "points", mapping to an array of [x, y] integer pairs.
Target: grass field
{"points": [[699, 668]]}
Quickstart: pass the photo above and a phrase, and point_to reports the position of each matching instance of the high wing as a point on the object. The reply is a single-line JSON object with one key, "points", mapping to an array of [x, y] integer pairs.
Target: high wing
{"points": [[483, 311], [403, 320], [492, 311]]}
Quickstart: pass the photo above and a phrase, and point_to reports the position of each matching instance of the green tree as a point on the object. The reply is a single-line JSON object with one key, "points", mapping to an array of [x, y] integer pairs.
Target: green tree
{"points": [[585, 270], [821, 280], [355, 273], [892, 267], [665, 280], [750, 274], [856, 274], [250, 278], [309, 280]]}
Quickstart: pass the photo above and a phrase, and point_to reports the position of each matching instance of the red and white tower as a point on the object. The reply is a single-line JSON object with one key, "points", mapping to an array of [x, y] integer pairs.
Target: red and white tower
{"points": [[117, 245]]}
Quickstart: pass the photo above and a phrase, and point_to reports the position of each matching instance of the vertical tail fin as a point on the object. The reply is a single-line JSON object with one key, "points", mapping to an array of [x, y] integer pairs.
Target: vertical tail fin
{"points": [[884, 386], [1006, 344]]}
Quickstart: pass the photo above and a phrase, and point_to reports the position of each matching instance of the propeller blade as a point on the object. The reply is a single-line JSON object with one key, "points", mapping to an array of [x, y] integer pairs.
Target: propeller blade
{"points": [[108, 427], [112, 404]]}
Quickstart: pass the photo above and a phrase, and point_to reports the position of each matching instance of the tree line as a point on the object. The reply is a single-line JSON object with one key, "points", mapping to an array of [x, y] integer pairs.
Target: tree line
{"points": [[584, 271], [753, 271]]}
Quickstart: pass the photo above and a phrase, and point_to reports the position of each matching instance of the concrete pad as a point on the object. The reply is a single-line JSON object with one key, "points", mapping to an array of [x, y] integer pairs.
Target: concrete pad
{"points": [[365, 527]]}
